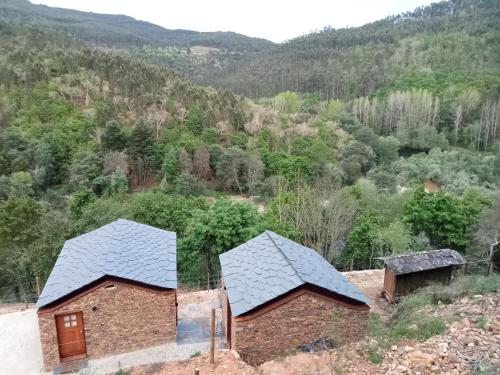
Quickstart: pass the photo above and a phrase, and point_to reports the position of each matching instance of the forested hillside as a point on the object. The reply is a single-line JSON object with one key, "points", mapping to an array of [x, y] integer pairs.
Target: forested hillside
{"points": [[444, 47], [89, 135], [118, 31]]}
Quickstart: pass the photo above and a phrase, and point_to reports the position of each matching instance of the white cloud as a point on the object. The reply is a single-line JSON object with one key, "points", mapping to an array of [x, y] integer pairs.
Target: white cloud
{"points": [[276, 20]]}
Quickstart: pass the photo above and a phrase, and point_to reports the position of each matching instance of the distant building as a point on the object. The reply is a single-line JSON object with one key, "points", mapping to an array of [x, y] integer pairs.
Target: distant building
{"points": [[112, 290], [430, 185], [408, 272], [278, 294]]}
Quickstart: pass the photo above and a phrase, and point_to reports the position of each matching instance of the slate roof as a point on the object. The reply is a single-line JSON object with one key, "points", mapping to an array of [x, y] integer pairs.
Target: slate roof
{"points": [[270, 265], [124, 249], [422, 261]]}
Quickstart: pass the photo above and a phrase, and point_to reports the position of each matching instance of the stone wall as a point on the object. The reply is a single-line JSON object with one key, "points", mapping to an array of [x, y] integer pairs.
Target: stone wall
{"points": [[302, 319], [126, 317]]}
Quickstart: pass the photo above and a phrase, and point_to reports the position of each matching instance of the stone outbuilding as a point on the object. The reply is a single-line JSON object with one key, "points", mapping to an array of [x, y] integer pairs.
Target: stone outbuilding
{"points": [[278, 295], [407, 272], [112, 290]]}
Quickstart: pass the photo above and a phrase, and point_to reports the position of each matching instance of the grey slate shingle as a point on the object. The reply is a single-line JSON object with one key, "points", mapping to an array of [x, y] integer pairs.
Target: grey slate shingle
{"points": [[422, 261], [270, 265], [124, 249]]}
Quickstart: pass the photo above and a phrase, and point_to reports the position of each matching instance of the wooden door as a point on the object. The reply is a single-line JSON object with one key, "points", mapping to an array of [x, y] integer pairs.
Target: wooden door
{"points": [[70, 335], [389, 284]]}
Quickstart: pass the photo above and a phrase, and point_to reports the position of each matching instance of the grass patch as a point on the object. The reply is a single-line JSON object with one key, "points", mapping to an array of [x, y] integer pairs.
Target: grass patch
{"points": [[375, 354], [482, 321], [195, 354], [422, 330]]}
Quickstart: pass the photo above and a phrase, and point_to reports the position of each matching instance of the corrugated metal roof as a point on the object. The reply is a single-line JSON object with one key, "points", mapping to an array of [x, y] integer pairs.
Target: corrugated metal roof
{"points": [[123, 249], [270, 265], [422, 261]]}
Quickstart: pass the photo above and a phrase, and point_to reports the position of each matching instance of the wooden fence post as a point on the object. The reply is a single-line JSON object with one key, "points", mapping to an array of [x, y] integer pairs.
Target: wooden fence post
{"points": [[212, 338], [38, 291], [25, 300], [196, 371], [208, 281]]}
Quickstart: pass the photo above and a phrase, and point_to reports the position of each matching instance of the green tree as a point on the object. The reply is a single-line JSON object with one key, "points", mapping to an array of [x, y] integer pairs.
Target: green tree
{"points": [[19, 230], [141, 152], [357, 159], [85, 168], [100, 212], [446, 219], [188, 185], [113, 138], [363, 242], [194, 120], [209, 233], [170, 166], [386, 149], [78, 200], [21, 184], [166, 211]]}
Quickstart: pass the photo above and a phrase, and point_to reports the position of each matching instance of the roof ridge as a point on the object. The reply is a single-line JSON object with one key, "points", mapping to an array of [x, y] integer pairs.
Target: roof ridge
{"points": [[284, 255]]}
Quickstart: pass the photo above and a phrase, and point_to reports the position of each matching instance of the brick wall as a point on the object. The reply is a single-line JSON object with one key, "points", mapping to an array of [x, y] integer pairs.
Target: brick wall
{"points": [[127, 317], [302, 319]]}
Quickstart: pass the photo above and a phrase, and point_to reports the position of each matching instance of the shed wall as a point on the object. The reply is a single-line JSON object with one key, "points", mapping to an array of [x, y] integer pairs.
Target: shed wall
{"points": [[126, 318], [407, 283]]}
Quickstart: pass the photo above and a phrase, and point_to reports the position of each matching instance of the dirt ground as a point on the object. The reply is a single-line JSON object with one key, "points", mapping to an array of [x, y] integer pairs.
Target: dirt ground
{"points": [[371, 283], [15, 307], [228, 362]]}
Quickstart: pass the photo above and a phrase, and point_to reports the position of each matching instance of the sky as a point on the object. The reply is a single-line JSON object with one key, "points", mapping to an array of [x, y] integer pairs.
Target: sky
{"points": [[276, 20]]}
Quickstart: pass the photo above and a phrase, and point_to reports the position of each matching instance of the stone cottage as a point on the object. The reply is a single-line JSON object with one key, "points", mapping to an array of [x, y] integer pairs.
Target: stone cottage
{"points": [[112, 290], [278, 294]]}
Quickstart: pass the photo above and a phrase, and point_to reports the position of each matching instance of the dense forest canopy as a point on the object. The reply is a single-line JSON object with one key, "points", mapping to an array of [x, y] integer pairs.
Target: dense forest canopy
{"points": [[89, 135]]}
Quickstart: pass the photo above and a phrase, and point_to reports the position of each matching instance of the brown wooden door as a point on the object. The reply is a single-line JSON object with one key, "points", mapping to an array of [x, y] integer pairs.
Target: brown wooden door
{"points": [[70, 335]]}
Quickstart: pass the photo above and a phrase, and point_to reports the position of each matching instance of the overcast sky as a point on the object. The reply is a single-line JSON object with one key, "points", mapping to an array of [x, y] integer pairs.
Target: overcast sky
{"points": [[276, 20]]}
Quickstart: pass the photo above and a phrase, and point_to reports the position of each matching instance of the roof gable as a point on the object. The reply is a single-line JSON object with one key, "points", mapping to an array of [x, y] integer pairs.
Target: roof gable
{"points": [[422, 261], [270, 265], [123, 248]]}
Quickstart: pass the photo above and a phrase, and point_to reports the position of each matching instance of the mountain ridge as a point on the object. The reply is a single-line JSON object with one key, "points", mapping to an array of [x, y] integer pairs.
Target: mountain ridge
{"points": [[122, 31]]}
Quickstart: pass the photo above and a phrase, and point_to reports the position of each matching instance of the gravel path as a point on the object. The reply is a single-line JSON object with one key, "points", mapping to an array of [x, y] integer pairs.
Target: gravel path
{"points": [[20, 350], [157, 354]]}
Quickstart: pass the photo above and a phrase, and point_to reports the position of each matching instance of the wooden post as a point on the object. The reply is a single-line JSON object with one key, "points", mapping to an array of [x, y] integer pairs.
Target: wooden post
{"points": [[196, 371], [208, 281], [212, 338], [38, 291], [25, 300]]}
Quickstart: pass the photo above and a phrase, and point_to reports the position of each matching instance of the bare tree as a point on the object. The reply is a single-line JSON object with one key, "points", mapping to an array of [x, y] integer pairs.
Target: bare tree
{"points": [[201, 163], [255, 170], [185, 162], [323, 214], [157, 116], [115, 160]]}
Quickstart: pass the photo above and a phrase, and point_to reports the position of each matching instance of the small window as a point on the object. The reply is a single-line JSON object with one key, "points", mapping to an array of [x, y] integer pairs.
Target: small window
{"points": [[70, 321], [110, 286]]}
